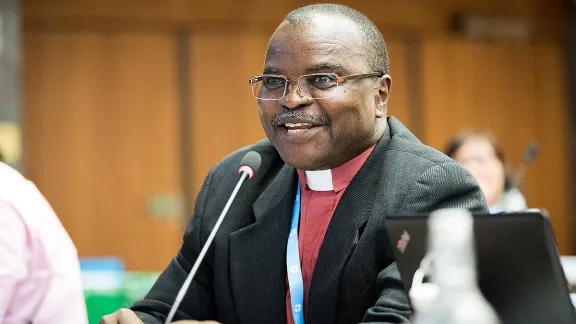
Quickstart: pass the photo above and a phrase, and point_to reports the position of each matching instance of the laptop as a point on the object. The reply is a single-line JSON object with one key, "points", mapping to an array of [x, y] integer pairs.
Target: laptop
{"points": [[519, 270]]}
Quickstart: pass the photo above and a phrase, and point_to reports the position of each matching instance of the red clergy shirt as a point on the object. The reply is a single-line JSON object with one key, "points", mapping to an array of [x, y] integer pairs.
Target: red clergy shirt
{"points": [[316, 210]]}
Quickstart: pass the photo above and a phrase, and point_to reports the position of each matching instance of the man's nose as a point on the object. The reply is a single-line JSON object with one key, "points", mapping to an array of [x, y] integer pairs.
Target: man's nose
{"points": [[294, 98]]}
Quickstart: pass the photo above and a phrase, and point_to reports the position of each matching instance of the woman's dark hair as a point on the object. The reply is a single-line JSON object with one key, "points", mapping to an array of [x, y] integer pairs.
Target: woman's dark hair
{"points": [[456, 142], [1, 157]]}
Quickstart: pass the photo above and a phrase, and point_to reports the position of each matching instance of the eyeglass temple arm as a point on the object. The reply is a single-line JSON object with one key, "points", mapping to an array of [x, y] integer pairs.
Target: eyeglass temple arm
{"points": [[345, 78]]}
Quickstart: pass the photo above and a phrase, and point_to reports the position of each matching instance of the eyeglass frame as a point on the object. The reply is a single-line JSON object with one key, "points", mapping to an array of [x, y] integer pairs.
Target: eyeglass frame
{"points": [[339, 80]]}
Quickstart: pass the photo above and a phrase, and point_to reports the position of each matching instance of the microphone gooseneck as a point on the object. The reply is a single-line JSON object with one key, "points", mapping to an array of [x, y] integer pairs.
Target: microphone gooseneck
{"points": [[248, 167]]}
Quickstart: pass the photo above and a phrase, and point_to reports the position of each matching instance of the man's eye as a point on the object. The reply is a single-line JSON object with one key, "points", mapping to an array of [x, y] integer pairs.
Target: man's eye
{"points": [[323, 81], [273, 82]]}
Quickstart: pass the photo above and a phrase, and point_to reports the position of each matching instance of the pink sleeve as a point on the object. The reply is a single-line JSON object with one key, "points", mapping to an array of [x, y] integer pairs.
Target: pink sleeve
{"points": [[12, 254]]}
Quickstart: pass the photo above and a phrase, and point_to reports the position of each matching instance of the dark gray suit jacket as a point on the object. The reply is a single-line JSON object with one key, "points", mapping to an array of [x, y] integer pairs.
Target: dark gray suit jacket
{"points": [[243, 277]]}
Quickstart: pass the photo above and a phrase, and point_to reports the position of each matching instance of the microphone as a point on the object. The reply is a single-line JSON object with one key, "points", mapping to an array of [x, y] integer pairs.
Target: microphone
{"points": [[529, 156], [248, 166]]}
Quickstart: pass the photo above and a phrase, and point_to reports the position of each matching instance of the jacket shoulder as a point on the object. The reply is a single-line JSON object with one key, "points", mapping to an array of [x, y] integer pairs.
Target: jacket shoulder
{"points": [[406, 146]]}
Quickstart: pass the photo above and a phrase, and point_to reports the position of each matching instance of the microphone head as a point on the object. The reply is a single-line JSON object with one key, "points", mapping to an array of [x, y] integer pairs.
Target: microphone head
{"points": [[531, 152], [250, 163]]}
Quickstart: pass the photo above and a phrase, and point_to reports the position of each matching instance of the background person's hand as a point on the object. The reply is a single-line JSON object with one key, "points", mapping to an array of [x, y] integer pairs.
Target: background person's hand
{"points": [[121, 316]]}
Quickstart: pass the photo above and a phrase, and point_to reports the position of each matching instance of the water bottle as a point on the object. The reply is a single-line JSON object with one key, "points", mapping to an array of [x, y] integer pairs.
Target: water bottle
{"points": [[452, 296]]}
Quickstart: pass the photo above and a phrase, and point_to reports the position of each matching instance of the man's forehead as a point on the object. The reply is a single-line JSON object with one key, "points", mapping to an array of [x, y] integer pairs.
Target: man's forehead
{"points": [[319, 29], [319, 36], [302, 49]]}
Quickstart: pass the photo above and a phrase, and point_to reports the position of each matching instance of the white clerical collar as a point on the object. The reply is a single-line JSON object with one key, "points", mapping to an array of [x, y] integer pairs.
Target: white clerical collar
{"points": [[319, 180]]}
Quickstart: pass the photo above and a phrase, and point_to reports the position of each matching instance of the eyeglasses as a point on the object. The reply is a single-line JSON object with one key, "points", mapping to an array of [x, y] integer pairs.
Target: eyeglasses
{"points": [[312, 86]]}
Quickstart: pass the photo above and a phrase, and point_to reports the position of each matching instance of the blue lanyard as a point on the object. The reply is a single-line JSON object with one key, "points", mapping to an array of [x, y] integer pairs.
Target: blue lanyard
{"points": [[293, 269]]}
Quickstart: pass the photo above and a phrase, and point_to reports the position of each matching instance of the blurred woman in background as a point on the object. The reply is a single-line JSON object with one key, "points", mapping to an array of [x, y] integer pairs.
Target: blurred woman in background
{"points": [[480, 154]]}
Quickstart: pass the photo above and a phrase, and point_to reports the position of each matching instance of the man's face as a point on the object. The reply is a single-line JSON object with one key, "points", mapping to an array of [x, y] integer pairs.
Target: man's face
{"points": [[316, 134]]}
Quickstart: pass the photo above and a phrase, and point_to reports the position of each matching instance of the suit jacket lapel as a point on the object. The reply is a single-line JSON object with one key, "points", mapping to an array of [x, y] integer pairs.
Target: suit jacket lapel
{"points": [[342, 235], [258, 254]]}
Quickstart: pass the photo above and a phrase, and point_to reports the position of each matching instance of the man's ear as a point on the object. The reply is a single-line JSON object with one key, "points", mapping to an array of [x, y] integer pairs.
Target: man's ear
{"points": [[384, 88]]}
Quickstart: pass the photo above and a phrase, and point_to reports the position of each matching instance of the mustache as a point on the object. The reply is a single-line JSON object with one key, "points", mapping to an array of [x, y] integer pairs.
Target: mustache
{"points": [[299, 116]]}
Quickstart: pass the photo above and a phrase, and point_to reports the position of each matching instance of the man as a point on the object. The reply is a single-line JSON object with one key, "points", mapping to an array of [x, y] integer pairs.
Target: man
{"points": [[322, 103], [39, 270]]}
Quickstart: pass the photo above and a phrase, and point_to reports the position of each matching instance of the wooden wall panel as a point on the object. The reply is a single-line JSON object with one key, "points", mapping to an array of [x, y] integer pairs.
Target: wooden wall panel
{"points": [[427, 17], [101, 138], [399, 102], [553, 188], [101, 117], [479, 85], [513, 91], [224, 112]]}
